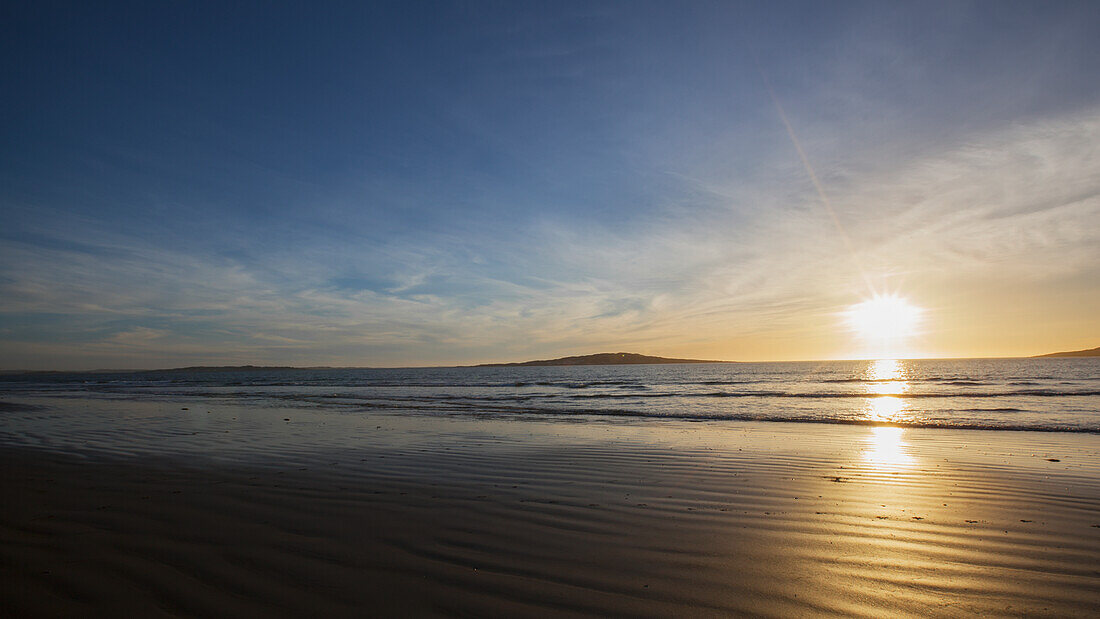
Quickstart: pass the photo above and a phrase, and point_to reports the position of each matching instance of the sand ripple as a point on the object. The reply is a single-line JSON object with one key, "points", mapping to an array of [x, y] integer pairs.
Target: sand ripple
{"points": [[480, 518]]}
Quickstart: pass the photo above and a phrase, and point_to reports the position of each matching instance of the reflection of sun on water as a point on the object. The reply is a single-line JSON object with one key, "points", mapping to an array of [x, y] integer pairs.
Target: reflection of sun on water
{"points": [[885, 408], [886, 448], [884, 369], [889, 381]]}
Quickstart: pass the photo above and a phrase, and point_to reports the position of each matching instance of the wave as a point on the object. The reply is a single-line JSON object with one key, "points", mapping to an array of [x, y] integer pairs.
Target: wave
{"points": [[627, 394], [939, 424], [511, 407], [1042, 393], [573, 406], [950, 395], [588, 413]]}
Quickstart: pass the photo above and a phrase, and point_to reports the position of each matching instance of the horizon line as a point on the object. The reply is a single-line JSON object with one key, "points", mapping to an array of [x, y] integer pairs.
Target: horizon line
{"points": [[512, 364]]}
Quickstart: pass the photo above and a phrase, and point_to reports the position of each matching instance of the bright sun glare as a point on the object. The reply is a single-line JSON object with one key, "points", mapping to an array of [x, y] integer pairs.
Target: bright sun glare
{"points": [[884, 318]]}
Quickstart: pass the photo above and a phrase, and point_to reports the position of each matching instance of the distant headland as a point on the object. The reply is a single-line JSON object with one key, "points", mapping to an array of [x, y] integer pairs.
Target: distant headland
{"points": [[603, 358], [1092, 352]]}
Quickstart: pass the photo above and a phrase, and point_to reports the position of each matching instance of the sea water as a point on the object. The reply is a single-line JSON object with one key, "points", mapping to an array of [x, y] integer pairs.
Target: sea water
{"points": [[1058, 394]]}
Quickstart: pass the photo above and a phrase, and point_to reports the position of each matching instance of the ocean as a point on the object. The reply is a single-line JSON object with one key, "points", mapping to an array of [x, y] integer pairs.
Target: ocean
{"points": [[1060, 395]]}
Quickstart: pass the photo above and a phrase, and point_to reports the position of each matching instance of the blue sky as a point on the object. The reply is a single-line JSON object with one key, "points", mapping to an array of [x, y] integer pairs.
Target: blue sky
{"points": [[429, 183]]}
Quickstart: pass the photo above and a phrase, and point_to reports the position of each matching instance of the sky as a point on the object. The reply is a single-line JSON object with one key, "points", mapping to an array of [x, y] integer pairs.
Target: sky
{"points": [[376, 184]]}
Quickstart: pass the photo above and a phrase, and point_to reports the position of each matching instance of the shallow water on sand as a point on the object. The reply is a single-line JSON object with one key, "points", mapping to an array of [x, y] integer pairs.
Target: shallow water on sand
{"points": [[475, 516]]}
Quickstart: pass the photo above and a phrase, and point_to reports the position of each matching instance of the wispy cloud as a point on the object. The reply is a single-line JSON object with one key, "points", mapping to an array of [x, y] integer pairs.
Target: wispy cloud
{"points": [[1019, 204], [554, 182]]}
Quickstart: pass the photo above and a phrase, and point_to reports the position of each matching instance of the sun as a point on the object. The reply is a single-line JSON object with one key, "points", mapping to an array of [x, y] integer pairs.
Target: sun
{"points": [[884, 319]]}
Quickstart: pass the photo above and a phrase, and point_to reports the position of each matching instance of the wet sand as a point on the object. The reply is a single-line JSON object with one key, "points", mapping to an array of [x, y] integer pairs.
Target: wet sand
{"points": [[505, 518]]}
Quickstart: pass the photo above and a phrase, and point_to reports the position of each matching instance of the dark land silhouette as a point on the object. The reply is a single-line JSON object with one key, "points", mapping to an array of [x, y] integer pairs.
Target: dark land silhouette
{"points": [[1091, 352], [603, 358]]}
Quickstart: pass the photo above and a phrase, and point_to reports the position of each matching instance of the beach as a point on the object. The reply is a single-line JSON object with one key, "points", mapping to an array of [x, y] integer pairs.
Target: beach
{"points": [[550, 309], [483, 516]]}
